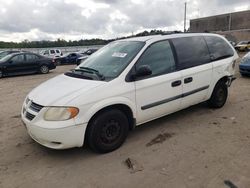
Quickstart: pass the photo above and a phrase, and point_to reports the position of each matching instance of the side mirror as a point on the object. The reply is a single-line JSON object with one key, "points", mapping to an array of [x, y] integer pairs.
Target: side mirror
{"points": [[142, 71], [10, 61]]}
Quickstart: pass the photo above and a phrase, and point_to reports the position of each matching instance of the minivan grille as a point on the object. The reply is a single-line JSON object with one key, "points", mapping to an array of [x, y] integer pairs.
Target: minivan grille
{"points": [[29, 116], [35, 107], [31, 109]]}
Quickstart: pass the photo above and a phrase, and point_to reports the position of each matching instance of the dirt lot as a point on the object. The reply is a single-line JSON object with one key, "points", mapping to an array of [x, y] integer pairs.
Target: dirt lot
{"points": [[195, 148]]}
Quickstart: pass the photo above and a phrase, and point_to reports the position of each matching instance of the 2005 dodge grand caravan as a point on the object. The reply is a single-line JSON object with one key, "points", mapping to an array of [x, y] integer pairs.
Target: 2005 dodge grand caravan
{"points": [[127, 83]]}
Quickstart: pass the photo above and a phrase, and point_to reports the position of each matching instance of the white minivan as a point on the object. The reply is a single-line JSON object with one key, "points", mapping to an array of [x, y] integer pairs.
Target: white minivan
{"points": [[125, 84]]}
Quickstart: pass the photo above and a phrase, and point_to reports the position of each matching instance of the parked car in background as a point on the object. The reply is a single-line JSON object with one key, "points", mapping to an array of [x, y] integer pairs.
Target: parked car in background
{"points": [[25, 63], [90, 51], [128, 83], [85, 55], [7, 52], [244, 65], [69, 58], [52, 53], [243, 46], [81, 59]]}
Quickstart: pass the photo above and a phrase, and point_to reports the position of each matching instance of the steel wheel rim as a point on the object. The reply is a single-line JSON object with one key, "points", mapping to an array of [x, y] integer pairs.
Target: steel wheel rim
{"points": [[110, 132]]}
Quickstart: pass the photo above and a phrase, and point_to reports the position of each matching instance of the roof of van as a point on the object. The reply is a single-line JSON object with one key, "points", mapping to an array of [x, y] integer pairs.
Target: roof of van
{"points": [[159, 37]]}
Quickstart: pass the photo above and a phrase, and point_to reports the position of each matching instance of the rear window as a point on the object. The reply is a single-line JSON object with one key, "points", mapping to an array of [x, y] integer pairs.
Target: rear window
{"points": [[218, 48], [191, 51]]}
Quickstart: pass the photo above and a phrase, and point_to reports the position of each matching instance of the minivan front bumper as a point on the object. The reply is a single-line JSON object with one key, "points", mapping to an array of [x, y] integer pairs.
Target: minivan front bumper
{"points": [[53, 134], [61, 138]]}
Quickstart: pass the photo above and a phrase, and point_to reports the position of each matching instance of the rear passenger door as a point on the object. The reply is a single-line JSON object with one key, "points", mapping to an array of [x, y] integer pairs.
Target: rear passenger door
{"points": [[196, 69], [160, 93], [31, 62]]}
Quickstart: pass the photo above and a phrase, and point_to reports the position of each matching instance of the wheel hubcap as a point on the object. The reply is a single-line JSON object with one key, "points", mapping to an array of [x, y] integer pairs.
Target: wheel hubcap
{"points": [[44, 69], [110, 131]]}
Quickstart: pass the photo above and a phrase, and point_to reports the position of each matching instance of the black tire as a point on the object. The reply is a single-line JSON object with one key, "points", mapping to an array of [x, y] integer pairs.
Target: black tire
{"points": [[107, 131], [44, 69], [219, 95], [1, 73]]}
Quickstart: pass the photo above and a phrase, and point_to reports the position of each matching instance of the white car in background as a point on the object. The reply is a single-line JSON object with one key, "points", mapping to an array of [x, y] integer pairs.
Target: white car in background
{"points": [[125, 84], [52, 53]]}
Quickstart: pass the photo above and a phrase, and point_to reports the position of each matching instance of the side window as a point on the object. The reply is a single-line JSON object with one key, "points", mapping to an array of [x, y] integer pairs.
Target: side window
{"points": [[52, 51], [191, 51], [18, 59], [57, 51], [218, 48], [31, 57], [159, 58]]}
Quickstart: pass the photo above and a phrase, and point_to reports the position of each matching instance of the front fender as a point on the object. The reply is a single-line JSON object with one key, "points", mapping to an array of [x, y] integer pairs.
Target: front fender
{"points": [[87, 112]]}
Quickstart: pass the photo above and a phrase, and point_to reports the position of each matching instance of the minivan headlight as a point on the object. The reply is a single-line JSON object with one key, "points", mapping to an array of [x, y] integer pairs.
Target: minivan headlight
{"points": [[60, 113]]}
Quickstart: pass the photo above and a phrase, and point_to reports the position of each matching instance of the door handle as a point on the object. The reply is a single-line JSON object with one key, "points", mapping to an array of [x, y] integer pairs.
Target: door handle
{"points": [[188, 80], [176, 83]]}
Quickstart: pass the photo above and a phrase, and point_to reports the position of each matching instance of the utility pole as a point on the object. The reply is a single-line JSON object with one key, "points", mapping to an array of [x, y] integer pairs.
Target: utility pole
{"points": [[185, 17], [230, 22]]}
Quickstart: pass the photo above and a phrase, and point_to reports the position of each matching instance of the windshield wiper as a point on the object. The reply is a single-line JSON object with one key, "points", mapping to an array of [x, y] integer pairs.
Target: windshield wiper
{"points": [[91, 70]]}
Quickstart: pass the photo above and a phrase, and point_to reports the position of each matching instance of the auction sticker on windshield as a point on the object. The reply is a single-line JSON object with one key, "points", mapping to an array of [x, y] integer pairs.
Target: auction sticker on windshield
{"points": [[119, 54]]}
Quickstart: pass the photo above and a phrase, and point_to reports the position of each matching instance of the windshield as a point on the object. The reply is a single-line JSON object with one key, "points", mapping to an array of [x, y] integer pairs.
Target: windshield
{"points": [[6, 57], [112, 59], [2, 54]]}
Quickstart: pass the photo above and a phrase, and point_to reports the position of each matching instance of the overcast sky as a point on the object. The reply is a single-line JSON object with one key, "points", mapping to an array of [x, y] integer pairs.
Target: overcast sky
{"points": [[84, 19]]}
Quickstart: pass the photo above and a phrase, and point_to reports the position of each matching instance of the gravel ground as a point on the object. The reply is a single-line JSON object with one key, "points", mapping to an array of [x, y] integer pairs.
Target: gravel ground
{"points": [[195, 148]]}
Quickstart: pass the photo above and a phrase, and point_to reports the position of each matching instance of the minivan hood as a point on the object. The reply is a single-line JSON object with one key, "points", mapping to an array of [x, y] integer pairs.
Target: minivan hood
{"points": [[59, 91]]}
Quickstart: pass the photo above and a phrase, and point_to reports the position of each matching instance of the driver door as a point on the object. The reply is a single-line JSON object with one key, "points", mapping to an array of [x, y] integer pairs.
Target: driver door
{"points": [[15, 64], [160, 93]]}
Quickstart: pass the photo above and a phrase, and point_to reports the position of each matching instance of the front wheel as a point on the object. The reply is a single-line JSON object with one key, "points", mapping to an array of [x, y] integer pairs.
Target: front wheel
{"points": [[108, 131], [219, 95], [44, 69]]}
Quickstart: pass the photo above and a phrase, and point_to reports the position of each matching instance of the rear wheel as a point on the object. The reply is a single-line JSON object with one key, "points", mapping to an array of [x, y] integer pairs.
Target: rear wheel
{"points": [[107, 131], [44, 69], [219, 95]]}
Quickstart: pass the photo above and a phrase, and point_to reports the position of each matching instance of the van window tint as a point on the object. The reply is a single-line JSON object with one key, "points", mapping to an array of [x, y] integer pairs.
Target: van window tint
{"points": [[159, 58], [191, 51], [52, 51], [218, 48]]}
